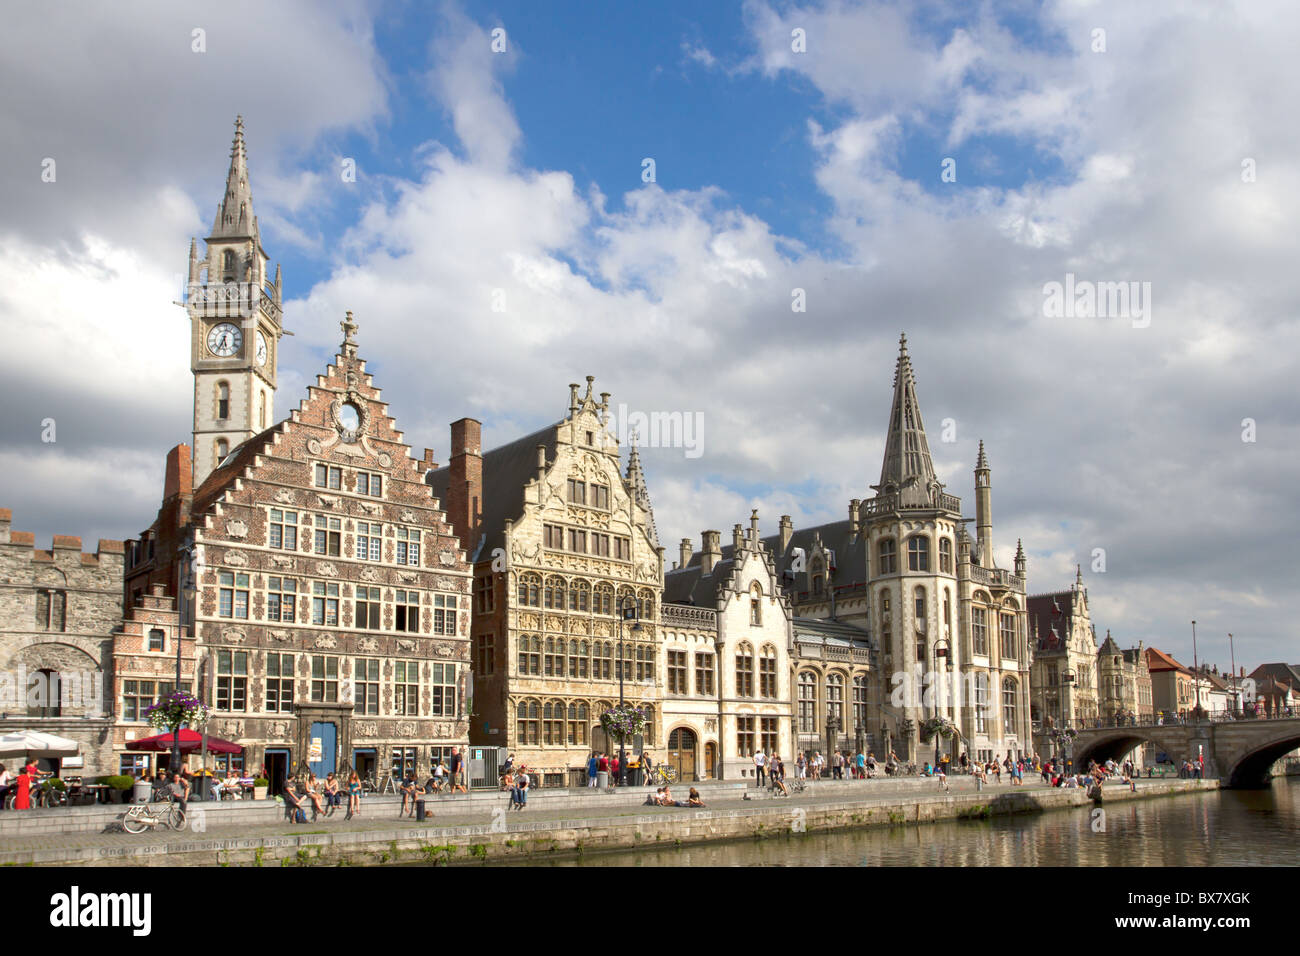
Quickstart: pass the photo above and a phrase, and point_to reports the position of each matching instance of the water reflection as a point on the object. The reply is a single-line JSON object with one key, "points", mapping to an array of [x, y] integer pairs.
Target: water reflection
{"points": [[1225, 828]]}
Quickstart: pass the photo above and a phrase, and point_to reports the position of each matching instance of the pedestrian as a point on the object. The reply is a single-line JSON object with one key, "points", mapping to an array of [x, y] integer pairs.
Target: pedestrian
{"points": [[613, 772], [354, 795], [801, 766], [760, 762], [646, 766], [457, 769], [519, 796], [593, 767], [602, 769], [861, 759]]}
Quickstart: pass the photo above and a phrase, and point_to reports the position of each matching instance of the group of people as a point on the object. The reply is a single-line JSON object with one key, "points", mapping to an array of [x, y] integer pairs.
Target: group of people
{"points": [[324, 796], [599, 762], [664, 798], [22, 784], [842, 765]]}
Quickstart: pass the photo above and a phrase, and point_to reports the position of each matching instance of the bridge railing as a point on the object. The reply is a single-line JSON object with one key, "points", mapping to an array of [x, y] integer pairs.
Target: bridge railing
{"points": [[1178, 720]]}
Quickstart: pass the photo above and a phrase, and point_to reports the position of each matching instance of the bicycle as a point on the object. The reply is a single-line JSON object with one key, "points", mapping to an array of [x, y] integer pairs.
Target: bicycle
{"points": [[144, 816], [662, 775], [797, 785]]}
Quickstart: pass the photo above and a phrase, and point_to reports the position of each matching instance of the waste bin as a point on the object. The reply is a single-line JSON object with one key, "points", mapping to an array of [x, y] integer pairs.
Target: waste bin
{"points": [[634, 776], [419, 809], [142, 791], [602, 779]]}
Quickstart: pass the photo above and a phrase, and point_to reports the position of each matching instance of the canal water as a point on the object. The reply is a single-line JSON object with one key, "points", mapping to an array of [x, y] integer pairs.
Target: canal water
{"points": [[1217, 828]]}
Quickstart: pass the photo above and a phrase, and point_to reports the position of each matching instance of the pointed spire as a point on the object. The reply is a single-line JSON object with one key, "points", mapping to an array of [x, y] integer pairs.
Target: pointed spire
{"points": [[235, 211], [640, 491], [1078, 577], [907, 466], [349, 327], [982, 463]]}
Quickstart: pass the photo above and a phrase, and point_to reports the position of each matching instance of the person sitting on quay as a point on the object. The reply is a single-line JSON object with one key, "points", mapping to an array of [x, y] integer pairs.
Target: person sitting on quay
{"points": [[293, 802], [693, 798], [519, 794], [776, 773], [942, 774]]}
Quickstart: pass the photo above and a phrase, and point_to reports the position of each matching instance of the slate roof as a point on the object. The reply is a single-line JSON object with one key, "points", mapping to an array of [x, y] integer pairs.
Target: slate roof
{"points": [[809, 630], [1049, 618], [231, 468], [506, 470]]}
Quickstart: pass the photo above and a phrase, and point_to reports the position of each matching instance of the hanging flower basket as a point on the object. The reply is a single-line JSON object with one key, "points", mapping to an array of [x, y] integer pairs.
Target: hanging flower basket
{"points": [[624, 722], [1067, 733], [942, 726], [177, 709]]}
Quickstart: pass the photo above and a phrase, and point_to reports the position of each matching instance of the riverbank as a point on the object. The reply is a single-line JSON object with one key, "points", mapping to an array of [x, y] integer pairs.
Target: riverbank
{"points": [[481, 830]]}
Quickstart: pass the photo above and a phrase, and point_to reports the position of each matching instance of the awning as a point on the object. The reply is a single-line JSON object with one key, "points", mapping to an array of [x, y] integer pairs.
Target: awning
{"points": [[32, 743], [190, 740]]}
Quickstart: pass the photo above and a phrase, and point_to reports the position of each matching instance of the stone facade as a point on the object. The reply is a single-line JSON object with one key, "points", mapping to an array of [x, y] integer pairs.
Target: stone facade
{"points": [[1064, 673], [58, 611], [331, 598], [1123, 681], [564, 543]]}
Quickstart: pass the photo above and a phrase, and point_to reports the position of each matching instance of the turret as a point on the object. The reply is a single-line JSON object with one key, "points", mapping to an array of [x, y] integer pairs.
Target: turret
{"points": [[983, 511], [1020, 559]]}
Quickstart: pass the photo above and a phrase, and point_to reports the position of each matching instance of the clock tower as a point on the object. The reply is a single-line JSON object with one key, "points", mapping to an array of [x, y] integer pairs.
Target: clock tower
{"points": [[235, 322]]}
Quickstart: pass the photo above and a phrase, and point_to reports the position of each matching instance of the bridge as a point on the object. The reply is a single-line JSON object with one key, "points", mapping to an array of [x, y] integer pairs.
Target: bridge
{"points": [[1239, 751]]}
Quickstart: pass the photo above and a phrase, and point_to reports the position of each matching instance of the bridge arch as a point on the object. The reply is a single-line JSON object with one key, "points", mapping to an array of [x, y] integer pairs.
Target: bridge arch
{"points": [[1251, 768]]}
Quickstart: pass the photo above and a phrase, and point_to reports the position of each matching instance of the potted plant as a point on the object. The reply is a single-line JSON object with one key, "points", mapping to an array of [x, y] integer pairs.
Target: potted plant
{"points": [[260, 785], [58, 787], [120, 784]]}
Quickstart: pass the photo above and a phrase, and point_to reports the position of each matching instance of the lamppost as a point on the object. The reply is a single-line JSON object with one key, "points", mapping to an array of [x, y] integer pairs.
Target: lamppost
{"points": [[627, 609], [939, 651], [1236, 703], [189, 590], [1196, 677]]}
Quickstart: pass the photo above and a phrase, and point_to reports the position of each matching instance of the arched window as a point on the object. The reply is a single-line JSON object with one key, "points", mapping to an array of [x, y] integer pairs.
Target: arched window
{"points": [[223, 449], [46, 701], [626, 598], [554, 657], [528, 723], [947, 613], [756, 605], [554, 598], [918, 553], [573, 658], [860, 702], [157, 639], [228, 266], [886, 626], [981, 703], [578, 717], [920, 619], [1007, 635], [584, 659], [649, 734], [945, 555], [887, 556], [553, 724], [603, 599], [767, 672], [223, 400], [579, 596], [979, 630], [645, 662], [1009, 706], [530, 590], [744, 670], [645, 605], [530, 655], [835, 698], [807, 702], [818, 576]]}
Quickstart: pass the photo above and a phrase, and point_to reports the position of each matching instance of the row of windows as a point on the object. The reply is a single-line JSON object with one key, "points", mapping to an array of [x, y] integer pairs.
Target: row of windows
{"points": [[760, 732], [573, 723], [588, 495], [679, 671], [331, 477], [287, 599], [585, 660], [557, 594], [1007, 630], [326, 686], [1009, 704], [834, 699], [918, 555], [223, 413], [327, 537], [581, 541]]}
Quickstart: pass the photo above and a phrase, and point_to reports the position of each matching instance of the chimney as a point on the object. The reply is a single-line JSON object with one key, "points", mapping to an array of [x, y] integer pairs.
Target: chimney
{"points": [[737, 538], [541, 461], [428, 462], [179, 478], [464, 504], [711, 551], [753, 526], [684, 552], [854, 506], [6, 519], [787, 532]]}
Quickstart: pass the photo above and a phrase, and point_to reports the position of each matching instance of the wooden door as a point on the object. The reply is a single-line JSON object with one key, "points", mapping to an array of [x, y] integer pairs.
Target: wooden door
{"points": [[681, 753]]}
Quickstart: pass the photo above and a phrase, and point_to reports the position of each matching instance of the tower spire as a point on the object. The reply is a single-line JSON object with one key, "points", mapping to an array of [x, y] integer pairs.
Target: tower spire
{"points": [[235, 212], [640, 491], [907, 468]]}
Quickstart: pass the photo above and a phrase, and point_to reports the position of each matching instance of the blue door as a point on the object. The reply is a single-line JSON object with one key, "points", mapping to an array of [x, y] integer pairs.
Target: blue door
{"points": [[322, 748]]}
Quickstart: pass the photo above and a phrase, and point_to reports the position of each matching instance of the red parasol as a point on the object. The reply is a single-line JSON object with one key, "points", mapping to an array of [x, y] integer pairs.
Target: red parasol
{"points": [[190, 740]]}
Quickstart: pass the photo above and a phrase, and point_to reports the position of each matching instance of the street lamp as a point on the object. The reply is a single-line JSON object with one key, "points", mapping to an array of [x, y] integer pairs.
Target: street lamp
{"points": [[627, 609], [1236, 703], [189, 590], [939, 651]]}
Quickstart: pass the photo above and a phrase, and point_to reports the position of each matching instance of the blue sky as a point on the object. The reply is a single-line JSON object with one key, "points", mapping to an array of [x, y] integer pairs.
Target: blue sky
{"points": [[520, 173]]}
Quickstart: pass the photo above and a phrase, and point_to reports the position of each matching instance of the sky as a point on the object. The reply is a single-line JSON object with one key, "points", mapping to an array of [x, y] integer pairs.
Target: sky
{"points": [[727, 211]]}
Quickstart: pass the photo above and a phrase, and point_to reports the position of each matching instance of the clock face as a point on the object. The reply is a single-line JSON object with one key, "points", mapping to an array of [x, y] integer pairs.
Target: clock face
{"points": [[225, 339], [261, 349]]}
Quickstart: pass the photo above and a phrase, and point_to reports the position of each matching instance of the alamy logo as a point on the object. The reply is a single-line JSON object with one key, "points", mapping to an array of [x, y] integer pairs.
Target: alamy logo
{"points": [[1081, 298], [683, 430], [75, 909], [20, 689]]}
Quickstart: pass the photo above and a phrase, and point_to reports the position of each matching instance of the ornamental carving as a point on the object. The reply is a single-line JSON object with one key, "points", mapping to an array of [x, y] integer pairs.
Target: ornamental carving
{"points": [[444, 729], [406, 645], [408, 516], [443, 583], [446, 558], [368, 645], [367, 728], [405, 729], [231, 728], [285, 496], [233, 635], [283, 562], [408, 577], [278, 729], [280, 636], [327, 569], [326, 640], [236, 528], [519, 553], [443, 650], [370, 574], [328, 501], [313, 446], [350, 435], [236, 559], [370, 508], [711, 723], [385, 460]]}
